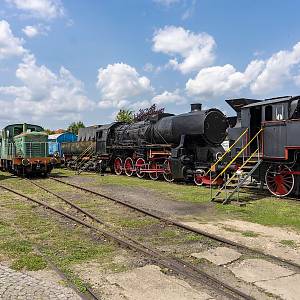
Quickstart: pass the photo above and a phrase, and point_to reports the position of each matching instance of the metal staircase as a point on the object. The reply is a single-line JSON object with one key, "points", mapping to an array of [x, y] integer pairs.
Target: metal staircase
{"points": [[242, 175], [82, 164]]}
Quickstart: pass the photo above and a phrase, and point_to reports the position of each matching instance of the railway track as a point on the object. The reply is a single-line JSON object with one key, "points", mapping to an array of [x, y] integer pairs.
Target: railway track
{"points": [[98, 226], [178, 224]]}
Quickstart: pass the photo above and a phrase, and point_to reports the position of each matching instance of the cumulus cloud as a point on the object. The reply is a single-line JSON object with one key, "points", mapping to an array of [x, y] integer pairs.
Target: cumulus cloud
{"points": [[223, 80], [278, 70], [167, 97], [33, 31], [189, 51], [9, 44], [44, 92], [120, 84], [44, 9]]}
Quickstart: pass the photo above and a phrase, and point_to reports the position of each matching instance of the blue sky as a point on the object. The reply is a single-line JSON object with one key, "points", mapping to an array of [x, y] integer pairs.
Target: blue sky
{"points": [[62, 61]]}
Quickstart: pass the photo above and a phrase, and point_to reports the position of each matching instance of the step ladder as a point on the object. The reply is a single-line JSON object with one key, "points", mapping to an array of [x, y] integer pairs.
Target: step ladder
{"points": [[80, 163], [240, 177]]}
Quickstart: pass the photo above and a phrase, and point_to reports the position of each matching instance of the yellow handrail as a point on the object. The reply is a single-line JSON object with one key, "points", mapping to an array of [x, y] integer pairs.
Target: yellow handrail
{"points": [[225, 153], [240, 152], [243, 165]]}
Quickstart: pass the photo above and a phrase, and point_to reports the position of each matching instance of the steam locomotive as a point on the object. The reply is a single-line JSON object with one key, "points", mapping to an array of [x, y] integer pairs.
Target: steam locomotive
{"points": [[178, 147]]}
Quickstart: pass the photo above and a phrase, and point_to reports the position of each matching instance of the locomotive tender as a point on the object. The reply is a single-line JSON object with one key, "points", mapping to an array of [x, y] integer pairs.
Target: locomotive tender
{"points": [[179, 147], [24, 150]]}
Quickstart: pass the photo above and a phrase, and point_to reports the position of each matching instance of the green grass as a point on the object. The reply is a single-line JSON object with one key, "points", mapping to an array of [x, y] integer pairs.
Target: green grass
{"points": [[289, 243], [30, 262], [169, 233], [193, 237], [250, 234]]}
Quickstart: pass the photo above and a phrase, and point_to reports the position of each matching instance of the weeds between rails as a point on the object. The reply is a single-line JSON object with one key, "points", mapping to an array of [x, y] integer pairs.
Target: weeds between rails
{"points": [[177, 265], [183, 226]]}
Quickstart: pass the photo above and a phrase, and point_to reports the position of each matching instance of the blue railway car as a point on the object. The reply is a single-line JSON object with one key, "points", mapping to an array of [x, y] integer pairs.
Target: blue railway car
{"points": [[55, 141]]}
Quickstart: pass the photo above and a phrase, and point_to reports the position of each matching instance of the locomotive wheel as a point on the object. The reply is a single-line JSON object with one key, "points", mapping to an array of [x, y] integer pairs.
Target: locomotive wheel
{"points": [[154, 175], [279, 180], [140, 163], [118, 166], [198, 177], [129, 166], [167, 171]]}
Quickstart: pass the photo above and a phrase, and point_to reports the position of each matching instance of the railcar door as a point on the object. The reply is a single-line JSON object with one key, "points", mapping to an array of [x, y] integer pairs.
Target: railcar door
{"points": [[255, 125]]}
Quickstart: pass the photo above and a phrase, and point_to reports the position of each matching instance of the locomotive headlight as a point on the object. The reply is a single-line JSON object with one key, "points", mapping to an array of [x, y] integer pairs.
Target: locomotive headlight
{"points": [[25, 162]]}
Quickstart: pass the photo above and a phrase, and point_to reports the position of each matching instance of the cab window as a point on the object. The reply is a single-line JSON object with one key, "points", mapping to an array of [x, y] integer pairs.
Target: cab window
{"points": [[268, 113]]}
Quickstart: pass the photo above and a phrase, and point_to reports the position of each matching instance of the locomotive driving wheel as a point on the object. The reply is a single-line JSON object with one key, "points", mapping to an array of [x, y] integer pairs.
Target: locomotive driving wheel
{"points": [[167, 171], [118, 166], [129, 166], [153, 175], [280, 180], [198, 176], [139, 164]]}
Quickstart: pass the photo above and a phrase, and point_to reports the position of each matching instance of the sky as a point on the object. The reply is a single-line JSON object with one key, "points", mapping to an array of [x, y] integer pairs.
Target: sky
{"points": [[65, 60]]}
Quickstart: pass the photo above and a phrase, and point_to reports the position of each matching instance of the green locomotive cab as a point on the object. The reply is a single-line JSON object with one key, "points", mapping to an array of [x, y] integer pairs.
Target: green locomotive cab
{"points": [[24, 150]]}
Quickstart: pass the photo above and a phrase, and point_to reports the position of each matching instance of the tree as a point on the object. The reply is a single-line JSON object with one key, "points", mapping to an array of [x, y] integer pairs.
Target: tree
{"points": [[144, 113], [49, 131], [74, 127], [125, 115]]}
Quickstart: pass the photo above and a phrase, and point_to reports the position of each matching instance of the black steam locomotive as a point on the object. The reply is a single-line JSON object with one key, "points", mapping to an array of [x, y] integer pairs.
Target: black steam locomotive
{"points": [[178, 147]]}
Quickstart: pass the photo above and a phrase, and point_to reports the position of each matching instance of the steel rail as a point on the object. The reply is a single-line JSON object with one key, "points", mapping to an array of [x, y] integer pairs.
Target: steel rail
{"points": [[182, 225], [177, 265]]}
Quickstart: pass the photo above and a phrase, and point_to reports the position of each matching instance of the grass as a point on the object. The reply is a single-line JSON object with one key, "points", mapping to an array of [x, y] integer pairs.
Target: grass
{"points": [[30, 262], [289, 243], [135, 223], [250, 234], [64, 244]]}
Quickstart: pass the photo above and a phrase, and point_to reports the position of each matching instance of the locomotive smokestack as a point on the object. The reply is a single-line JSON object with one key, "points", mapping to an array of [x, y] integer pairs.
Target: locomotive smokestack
{"points": [[196, 107]]}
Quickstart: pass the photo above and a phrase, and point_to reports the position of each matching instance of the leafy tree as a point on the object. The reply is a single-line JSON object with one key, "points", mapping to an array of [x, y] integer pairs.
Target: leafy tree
{"points": [[74, 127], [144, 113], [49, 131], [125, 115]]}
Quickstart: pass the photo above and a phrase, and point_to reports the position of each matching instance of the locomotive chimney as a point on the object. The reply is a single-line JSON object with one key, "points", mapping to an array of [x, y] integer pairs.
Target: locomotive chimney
{"points": [[196, 107]]}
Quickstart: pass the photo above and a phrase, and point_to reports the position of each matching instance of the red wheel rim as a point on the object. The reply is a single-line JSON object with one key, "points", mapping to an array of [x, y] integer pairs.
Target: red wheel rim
{"points": [[153, 175], [129, 166], [118, 166], [280, 182], [139, 164], [167, 171], [198, 179]]}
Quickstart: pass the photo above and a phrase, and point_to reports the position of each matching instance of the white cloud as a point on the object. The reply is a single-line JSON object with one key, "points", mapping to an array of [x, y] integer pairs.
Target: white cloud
{"points": [[169, 98], [222, 80], [166, 2], [43, 93], [9, 44], [120, 84], [195, 50], [33, 31], [278, 70], [44, 9]]}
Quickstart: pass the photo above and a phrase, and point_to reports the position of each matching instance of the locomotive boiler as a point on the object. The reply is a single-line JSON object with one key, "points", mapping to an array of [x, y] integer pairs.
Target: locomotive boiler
{"points": [[180, 147]]}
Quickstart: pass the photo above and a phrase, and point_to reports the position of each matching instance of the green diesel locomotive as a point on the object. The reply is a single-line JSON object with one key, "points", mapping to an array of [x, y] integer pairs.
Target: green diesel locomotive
{"points": [[24, 150]]}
